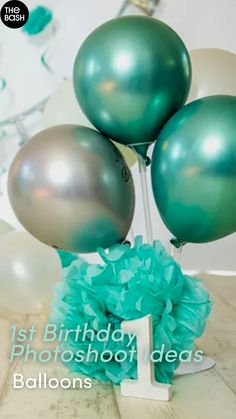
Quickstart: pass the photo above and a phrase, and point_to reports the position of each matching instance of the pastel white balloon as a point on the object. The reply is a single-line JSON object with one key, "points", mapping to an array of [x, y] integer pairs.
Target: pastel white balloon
{"points": [[62, 108], [29, 271], [213, 73], [5, 228]]}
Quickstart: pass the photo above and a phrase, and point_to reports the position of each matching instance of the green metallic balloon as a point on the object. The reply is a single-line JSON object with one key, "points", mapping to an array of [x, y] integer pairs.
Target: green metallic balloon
{"points": [[194, 170], [130, 75]]}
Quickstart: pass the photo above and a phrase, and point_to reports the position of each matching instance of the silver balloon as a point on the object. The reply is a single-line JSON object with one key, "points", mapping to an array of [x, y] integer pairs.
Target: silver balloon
{"points": [[71, 188]]}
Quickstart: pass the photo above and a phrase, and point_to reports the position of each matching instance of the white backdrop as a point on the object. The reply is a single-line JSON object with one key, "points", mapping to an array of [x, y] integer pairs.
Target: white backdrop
{"points": [[200, 23]]}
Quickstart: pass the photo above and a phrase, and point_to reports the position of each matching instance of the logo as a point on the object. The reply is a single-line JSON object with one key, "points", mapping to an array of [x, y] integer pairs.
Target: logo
{"points": [[126, 174], [14, 14]]}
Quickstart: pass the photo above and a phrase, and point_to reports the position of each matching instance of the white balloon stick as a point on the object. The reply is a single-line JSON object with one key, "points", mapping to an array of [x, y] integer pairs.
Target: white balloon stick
{"points": [[176, 253], [146, 200]]}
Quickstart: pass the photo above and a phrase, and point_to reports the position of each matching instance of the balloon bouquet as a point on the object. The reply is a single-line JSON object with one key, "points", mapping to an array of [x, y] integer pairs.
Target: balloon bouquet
{"points": [[71, 187], [128, 86]]}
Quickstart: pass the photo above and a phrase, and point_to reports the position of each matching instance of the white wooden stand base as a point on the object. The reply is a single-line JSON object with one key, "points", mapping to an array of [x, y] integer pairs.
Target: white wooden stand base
{"points": [[193, 367], [143, 390]]}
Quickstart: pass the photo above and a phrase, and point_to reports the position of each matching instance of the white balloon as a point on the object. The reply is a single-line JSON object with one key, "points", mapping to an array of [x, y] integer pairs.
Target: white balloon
{"points": [[5, 228], [213, 73], [29, 271], [62, 108]]}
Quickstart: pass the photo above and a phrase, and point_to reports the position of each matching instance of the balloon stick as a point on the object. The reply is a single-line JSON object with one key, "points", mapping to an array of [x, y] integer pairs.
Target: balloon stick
{"points": [[191, 367], [131, 235], [147, 6], [176, 252], [123, 8], [146, 202]]}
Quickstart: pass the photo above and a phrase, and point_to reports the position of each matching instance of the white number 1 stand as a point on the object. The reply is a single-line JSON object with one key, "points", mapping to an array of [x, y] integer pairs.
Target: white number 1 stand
{"points": [[145, 387]]}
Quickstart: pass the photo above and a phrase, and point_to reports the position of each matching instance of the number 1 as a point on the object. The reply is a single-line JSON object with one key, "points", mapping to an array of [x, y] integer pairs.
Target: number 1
{"points": [[145, 386]]}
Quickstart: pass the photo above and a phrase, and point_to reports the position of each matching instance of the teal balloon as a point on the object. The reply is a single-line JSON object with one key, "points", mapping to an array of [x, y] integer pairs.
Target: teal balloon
{"points": [[130, 75], [194, 170]]}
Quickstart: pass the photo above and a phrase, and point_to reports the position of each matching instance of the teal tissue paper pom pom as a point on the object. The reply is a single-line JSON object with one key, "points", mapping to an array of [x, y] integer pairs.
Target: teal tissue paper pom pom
{"points": [[131, 283], [39, 18], [66, 257]]}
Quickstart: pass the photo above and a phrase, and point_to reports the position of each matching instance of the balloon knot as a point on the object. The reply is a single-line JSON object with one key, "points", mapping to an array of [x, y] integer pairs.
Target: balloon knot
{"points": [[177, 243], [147, 161]]}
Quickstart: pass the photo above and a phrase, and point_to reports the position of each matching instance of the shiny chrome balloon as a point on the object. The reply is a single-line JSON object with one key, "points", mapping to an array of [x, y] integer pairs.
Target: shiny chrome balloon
{"points": [[71, 188], [130, 75], [194, 170]]}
